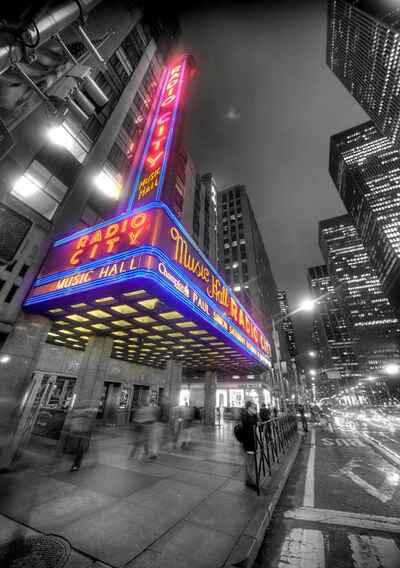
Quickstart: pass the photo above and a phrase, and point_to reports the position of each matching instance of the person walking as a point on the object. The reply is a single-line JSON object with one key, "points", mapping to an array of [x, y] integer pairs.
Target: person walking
{"points": [[80, 431], [249, 420], [303, 418]]}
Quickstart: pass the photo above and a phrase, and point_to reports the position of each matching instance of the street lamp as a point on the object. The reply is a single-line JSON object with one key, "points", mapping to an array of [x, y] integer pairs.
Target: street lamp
{"points": [[392, 369], [312, 354], [307, 305]]}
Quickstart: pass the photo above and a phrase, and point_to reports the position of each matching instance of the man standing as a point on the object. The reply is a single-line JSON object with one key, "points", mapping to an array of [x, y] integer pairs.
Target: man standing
{"points": [[249, 420]]}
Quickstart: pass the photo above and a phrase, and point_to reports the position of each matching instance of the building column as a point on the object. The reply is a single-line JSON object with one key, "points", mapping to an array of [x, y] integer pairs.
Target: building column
{"points": [[173, 381], [18, 361], [210, 391], [89, 384]]}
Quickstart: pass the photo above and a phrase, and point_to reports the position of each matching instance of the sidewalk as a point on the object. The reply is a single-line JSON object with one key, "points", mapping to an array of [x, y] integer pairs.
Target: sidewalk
{"points": [[187, 508]]}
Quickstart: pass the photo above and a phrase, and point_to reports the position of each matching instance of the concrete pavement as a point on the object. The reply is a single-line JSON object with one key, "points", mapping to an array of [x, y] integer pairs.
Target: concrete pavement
{"points": [[186, 508]]}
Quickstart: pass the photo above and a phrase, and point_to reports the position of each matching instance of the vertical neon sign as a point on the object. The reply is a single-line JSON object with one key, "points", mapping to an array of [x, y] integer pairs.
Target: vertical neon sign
{"points": [[150, 177]]}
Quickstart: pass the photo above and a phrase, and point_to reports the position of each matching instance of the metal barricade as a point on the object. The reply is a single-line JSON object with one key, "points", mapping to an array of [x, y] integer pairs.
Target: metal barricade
{"points": [[271, 439]]}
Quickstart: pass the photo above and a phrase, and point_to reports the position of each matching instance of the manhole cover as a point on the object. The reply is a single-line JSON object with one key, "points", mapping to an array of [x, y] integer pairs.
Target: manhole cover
{"points": [[35, 552]]}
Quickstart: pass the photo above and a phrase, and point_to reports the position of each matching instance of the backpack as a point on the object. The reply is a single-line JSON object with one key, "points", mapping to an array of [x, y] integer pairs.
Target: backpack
{"points": [[238, 433]]}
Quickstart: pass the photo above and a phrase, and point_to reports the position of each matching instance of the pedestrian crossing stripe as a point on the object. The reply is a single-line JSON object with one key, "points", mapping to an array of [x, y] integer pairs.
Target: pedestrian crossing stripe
{"points": [[345, 518], [305, 548]]}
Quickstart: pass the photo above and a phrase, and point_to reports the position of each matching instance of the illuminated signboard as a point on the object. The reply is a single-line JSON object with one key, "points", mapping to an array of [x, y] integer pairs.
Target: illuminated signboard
{"points": [[155, 166], [106, 250], [146, 245]]}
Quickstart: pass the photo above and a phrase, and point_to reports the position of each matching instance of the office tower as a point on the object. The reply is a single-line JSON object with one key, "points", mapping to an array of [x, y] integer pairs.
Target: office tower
{"points": [[365, 167], [242, 254], [331, 337], [200, 209], [367, 311], [363, 51], [244, 262], [287, 323]]}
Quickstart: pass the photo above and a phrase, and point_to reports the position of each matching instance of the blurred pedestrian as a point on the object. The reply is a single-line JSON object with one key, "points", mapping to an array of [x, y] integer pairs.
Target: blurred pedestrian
{"points": [[249, 420], [185, 436], [275, 412], [303, 418], [144, 419], [80, 431]]}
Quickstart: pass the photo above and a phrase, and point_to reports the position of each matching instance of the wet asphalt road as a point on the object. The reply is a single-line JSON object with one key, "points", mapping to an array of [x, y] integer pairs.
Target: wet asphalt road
{"points": [[341, 505]]}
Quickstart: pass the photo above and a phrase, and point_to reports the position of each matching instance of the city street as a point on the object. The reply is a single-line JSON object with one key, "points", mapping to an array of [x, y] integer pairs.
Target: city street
{"points": [[340, 508]]}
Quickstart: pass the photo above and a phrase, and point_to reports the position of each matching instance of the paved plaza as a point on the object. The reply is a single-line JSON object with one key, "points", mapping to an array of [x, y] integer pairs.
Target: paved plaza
{"points": [[186, 508]]}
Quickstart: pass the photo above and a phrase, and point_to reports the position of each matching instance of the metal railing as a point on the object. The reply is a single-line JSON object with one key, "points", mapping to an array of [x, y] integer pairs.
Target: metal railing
{"points": [[271, 439]]}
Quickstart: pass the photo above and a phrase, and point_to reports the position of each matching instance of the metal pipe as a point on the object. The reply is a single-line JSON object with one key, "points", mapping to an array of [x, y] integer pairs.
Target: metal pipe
{"points": [[65, 48], [90, 45], [43, 27]]}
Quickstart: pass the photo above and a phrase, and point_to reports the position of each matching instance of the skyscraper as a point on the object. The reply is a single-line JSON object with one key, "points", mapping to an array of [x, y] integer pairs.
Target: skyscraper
{"points": [[365, 167], [363, 50], [242, 254], [287, 324], [331, 336], [200, 210], [244, 261], [367, 311]]}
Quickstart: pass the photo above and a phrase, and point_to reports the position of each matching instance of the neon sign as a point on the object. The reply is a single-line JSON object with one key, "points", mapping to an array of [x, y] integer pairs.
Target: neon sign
{"points": [[152, 229], [150, 177]]}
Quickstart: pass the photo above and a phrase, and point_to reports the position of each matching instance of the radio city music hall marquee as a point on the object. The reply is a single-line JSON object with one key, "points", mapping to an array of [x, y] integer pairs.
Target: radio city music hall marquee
{"points": [[147, 243]]}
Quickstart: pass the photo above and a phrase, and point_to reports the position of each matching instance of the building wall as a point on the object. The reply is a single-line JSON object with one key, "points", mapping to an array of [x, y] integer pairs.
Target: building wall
{"points": [[200, 210], [365, 167], [287, 324], [363, 50], [332, 338], [366, 309]]}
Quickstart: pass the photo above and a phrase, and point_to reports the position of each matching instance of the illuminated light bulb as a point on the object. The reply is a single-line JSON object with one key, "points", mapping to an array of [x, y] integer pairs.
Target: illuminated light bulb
{"points": [[24, 187], [107, 185], [392, 369], [59, 136]]}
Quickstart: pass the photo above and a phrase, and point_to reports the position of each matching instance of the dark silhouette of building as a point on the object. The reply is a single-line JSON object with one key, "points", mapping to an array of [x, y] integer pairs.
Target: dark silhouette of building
{"points": [[363, 51], [365, 167], [369, 317]]}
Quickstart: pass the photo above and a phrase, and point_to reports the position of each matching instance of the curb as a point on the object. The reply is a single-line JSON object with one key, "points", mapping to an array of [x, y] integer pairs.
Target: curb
{"points": [[246, 549], [380, 449]]}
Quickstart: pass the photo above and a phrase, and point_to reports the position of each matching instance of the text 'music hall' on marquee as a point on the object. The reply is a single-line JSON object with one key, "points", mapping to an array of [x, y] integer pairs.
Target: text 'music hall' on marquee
{"points": [[138, 288]]}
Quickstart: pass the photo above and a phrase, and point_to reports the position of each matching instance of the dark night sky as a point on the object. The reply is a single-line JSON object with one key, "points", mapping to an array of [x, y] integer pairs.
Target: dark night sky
{"points": [[260, 112]]}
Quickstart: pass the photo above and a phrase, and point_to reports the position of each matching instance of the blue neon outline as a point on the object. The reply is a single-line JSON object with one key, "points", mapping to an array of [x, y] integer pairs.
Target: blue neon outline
{"points": [[147, 144], [143, 273], [174, 219], [160, 255], [171, 132]]}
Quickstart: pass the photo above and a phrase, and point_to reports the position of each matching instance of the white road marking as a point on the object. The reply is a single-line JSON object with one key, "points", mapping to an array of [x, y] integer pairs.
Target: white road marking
{"points": [[354, 442], [384, 493], [344, 518], [309, 497], [374, 552], [303, 548]]}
